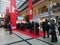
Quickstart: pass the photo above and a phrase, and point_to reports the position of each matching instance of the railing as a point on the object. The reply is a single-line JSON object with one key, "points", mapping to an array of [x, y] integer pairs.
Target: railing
{"points": [[42, 15]]}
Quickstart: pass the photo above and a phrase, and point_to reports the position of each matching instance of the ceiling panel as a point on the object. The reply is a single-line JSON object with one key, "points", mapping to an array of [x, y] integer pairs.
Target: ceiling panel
{"points": [[19, 2]]}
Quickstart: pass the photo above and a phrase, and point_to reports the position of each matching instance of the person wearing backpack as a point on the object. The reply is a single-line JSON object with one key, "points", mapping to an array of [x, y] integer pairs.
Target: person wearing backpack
{"points": [[53, 31], [37, 28], [46, 28]]}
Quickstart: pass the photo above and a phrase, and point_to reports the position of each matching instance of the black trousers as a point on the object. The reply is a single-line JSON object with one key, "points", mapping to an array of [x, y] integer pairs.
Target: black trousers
{"points": [[59, 31], [44, 31], [10, 30], [31, 30], [37, 31], [54, 38]]}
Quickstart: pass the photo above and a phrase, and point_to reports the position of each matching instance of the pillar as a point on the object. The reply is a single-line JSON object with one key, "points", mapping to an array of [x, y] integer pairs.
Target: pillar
{"points": [[18, 12], [13, 13], [30, 10], [7, 11], [49, 13]]}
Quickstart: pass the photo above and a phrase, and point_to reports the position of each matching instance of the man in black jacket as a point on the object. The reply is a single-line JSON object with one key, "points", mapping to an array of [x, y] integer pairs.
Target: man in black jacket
{"points": [[37, 28], [31, 27], [46, 28], [53, 31]]}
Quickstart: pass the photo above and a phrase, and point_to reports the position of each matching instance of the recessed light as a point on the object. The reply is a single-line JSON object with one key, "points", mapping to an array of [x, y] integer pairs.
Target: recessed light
{"points": [[18, 1], [3, 0], [7, 1]]}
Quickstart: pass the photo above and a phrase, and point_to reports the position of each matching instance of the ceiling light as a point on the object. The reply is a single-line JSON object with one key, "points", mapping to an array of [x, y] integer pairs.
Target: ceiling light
{"points": [[3, 0], [18, 1], [7, 1], [54, 3]]}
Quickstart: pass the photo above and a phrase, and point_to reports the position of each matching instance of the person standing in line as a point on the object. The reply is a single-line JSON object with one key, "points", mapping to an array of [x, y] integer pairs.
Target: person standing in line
{"points": [[43, 27], [37, 28], [53, 31], [30, 27], [46, 28], [32, 30]]}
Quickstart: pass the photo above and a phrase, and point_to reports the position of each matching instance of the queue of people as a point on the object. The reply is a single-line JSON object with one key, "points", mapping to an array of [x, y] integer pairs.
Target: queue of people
{"points": [[33, 27], [50, 28], [47, 26]]}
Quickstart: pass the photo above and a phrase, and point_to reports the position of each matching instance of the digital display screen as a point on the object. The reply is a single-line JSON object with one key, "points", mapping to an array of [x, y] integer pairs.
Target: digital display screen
{"points": [[20, 18]]}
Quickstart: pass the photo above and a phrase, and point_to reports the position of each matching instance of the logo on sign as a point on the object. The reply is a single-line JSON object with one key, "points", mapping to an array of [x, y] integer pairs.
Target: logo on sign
{"points": [[13, 9], [30, 12]]}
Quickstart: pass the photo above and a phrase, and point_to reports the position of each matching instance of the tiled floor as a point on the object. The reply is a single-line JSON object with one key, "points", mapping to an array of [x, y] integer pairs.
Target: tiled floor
{"points": [[22, 39]]}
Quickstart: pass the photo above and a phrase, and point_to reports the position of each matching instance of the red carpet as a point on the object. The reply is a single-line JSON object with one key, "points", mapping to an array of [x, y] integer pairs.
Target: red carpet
{"points": [[29, 34]]}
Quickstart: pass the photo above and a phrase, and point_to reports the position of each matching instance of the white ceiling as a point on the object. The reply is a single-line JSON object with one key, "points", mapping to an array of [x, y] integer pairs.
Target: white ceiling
{"points": [[19, 2], [6, 3]]}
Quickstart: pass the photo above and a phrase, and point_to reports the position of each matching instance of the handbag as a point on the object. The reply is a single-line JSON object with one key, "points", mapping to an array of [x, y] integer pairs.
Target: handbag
{"points": [[59, 28], [50, 32]]}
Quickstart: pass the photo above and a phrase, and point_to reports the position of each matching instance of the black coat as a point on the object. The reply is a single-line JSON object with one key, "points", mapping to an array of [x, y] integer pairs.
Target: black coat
{"points": [[45, 26], [58, 27], [37, 26]]}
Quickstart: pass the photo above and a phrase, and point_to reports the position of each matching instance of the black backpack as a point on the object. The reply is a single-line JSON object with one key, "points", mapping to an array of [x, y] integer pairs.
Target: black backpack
{"points": [[52, 26], [46, 25], [59, 28]]}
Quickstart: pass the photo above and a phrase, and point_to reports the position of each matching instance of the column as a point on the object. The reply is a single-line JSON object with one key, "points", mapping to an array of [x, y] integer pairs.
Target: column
{"points": [[7, 11], [13, 13], [30, 10], [18, 12], [49, 13]]}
